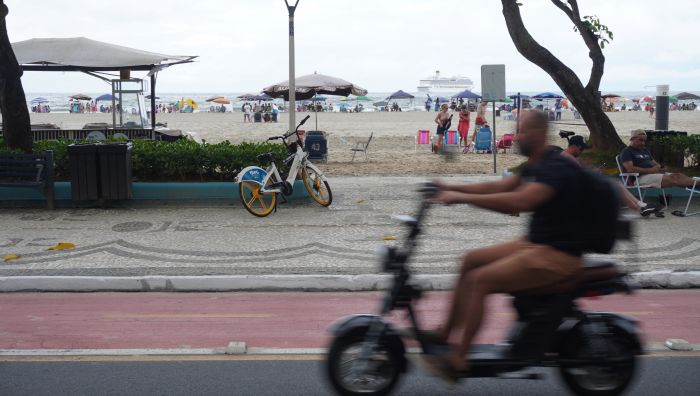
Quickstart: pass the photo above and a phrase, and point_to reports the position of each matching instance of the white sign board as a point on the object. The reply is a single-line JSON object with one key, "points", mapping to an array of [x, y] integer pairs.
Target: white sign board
{"points": [[493, 82]]}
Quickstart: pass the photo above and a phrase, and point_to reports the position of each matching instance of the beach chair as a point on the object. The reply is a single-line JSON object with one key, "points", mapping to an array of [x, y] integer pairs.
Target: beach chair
{"points": [[482, 141], [631, 182], [694, 189], [422, 138], [361, 147], [505, 143], [451, 138]]}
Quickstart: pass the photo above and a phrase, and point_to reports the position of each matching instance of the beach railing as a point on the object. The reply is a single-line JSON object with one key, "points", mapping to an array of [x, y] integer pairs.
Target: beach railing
{"points": [[79, 134]]}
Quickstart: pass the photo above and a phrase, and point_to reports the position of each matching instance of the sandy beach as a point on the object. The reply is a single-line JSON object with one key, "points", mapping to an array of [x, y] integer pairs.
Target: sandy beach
{"points": [[391, 151]]}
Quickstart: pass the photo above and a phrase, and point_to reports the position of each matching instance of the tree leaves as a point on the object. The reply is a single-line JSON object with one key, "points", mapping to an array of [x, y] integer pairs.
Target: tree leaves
{"points": [[600, 31]]}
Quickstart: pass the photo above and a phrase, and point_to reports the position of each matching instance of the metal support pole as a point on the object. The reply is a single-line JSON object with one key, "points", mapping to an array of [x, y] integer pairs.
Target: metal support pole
{"points": [[517, 118], [495, 149], [292, 77], [153, 101]]}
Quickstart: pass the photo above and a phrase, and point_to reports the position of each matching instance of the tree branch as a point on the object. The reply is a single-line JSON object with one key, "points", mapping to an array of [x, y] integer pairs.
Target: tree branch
{"points": [[533, 51], [591, 41]]}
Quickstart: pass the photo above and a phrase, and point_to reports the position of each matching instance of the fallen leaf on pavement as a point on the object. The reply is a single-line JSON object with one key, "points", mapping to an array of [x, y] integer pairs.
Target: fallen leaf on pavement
{"points": [[62, 245], [11, 257]]}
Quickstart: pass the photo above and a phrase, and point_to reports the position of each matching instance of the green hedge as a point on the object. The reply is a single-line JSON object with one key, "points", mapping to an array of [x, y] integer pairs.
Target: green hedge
{"points": [[686, 146], [182, 160]]}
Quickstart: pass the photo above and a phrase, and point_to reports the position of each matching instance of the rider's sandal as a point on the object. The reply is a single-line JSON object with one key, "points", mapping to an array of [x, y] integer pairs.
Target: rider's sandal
{"points": [[441, 368]]}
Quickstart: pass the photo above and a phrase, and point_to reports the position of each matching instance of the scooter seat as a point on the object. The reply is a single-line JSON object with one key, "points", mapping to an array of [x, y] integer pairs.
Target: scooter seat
{"points": [[592, 271]]}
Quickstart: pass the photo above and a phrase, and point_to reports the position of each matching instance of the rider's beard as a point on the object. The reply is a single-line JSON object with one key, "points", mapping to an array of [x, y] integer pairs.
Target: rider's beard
{"points": [[525, 149]]}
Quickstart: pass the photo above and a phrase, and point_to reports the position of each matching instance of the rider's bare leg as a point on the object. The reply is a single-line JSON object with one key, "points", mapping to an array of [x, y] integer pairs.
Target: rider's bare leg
{"points": [[530, 267], [474, 259]]}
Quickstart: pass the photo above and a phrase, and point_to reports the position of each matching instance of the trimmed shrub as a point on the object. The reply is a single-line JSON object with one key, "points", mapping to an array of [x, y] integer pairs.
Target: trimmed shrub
{"points": [[182, 160]]}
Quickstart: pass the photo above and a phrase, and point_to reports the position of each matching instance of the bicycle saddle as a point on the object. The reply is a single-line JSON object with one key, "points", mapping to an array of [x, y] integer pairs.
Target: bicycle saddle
{"points": [[266, 157]]}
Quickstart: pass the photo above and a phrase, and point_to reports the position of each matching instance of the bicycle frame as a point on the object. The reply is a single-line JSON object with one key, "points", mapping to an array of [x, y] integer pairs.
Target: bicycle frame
{"points": [[272, 171]]}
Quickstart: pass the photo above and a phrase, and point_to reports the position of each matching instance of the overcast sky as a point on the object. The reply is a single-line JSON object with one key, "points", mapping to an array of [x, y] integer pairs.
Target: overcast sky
{"points": [[381, 45]]}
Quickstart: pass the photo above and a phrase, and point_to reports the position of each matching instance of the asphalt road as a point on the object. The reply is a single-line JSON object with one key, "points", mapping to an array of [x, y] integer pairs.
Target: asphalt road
{"points": [[176, 376]]}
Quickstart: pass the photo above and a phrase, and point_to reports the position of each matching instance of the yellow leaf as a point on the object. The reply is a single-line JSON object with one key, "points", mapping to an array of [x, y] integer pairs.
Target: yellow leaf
{"points": [[11, 257], [360, 200], [62, 245], [389, 238]]}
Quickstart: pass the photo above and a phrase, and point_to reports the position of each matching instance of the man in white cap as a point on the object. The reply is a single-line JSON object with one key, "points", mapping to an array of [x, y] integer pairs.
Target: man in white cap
{"points": [[635, 158]]}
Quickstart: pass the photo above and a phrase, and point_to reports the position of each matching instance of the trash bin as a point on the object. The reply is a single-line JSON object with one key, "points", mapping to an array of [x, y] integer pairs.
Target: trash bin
{"points": [[316, 145], [115, 171], [662, 153], [83, 162]]}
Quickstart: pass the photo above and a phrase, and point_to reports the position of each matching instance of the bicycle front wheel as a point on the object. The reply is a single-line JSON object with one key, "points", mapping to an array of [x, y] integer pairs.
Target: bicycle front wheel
{"points": [[256, 202], [317, 188]]}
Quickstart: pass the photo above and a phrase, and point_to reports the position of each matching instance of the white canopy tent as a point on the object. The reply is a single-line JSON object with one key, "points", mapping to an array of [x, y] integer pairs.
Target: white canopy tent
{"points": [[92, 57]]}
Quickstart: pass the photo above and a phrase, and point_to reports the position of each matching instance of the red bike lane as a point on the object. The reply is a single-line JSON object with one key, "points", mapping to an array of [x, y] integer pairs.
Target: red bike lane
{"points": [[272, 320]]}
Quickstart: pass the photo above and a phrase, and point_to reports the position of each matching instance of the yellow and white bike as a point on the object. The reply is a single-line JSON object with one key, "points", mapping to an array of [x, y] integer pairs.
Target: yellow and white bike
{"points": [[258, 187]]}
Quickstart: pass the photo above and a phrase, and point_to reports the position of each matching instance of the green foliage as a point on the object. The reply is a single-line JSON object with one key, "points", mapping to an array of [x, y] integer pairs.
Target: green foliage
{"points": [[183, 160], [600, 31], [689, 146]]}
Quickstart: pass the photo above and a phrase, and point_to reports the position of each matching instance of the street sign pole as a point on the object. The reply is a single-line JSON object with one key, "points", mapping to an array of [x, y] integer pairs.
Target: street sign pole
{"points": [[493, 88], [292, 77]]}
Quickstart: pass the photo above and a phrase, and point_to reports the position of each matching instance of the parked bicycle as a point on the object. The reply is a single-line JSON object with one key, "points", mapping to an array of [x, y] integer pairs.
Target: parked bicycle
{"points": [[258, 187]]}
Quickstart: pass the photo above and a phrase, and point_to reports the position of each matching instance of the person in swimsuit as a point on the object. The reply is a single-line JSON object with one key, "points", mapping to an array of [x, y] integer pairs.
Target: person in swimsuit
{"points": [[463, 126], [441, 121]]}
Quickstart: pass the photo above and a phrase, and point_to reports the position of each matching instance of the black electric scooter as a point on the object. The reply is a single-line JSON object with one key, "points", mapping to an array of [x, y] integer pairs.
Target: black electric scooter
{"points": [[594, 351]]}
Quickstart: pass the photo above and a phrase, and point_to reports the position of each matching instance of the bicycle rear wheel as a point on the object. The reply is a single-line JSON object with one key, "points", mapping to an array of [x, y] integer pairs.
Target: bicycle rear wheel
{"points": [[317, 188], [256, 202]]}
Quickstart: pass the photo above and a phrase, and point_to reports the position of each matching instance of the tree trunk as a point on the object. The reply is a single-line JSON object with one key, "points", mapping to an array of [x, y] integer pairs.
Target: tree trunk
{"points": [[13, 104], [602, 132]]}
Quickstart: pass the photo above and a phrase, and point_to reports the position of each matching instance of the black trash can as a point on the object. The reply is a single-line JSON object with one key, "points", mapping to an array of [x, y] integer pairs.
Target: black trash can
{"points": [[316, 145], [663, 153], [115, 171], [84, 171]]}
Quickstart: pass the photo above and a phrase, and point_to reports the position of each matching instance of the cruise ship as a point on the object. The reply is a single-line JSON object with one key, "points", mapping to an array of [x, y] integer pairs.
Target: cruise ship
{"points": [[444, 85]]}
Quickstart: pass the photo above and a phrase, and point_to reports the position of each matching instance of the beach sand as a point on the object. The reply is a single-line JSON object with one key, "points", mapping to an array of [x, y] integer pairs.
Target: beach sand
{"points": [[391, 151]]}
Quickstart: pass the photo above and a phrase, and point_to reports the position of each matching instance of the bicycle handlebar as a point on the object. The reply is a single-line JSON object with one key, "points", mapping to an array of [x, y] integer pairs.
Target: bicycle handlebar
{"points": [[286, 135]]}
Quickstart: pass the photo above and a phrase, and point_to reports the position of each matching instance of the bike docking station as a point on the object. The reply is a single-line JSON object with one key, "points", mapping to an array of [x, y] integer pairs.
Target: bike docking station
{"points": [[258, 187]]}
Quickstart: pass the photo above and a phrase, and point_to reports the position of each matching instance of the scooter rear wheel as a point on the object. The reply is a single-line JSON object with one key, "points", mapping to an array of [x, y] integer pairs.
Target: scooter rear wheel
{"points": [[351, 376], [603, 380]]}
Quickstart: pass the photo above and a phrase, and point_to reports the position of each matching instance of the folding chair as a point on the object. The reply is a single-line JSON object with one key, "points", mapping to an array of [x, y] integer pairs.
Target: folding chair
{"points": [[361, 147], [505, 143], [482, 141], [693, 190], [631, 182], [451, 138], [422, 138]]}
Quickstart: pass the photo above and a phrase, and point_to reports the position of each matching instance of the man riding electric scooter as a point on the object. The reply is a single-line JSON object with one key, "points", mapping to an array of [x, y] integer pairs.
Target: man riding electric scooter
{"points": [[549, 186]]}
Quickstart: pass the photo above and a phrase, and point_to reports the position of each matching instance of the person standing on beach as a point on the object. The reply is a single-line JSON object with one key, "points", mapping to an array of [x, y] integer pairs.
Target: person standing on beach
{"points": [[480, 117], [437, 104], [557, 110], [463, 126], [441, 120], [428, 102], [246, 112]]}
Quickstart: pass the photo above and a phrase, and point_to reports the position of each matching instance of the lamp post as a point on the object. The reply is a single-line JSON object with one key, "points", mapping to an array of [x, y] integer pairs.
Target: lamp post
{"points": [[292, 87]]}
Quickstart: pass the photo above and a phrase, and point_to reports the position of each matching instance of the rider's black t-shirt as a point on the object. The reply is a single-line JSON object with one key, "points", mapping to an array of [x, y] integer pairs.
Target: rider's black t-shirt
{"points": [[557, 222]]}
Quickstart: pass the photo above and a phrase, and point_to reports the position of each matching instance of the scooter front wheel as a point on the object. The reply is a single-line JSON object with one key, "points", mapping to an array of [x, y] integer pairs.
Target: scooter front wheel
{"points": [[351, 374]]}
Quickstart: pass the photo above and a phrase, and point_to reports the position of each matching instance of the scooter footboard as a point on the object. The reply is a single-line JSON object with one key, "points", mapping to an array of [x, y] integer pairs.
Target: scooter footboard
{"points": [[359, 325]]}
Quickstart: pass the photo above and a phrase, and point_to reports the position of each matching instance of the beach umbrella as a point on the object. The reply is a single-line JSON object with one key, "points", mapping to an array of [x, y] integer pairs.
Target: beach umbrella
{"points": [[81, 97], [547, 95], [310, 85], [262, 96], [104, 97], [647, 99], [616, 99], [319, 98], [466, 94], [400, 95], [246, 96], [687, 96], [306, 87], [219, 100], [673, 99], [381, 103], [608, 96], [522, 97], [213, 98], [39, 100]]}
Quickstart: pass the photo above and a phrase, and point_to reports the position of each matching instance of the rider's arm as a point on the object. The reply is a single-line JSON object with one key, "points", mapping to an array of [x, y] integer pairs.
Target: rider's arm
{"points": [[525, 198], [506, 184]]}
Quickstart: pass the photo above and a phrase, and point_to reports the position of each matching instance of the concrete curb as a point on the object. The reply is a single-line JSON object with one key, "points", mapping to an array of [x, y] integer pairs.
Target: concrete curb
{"points": [[282, 283]]}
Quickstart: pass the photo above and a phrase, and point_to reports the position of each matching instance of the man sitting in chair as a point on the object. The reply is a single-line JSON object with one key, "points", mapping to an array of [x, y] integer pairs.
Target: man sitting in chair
{"points": [[635, 158]]}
